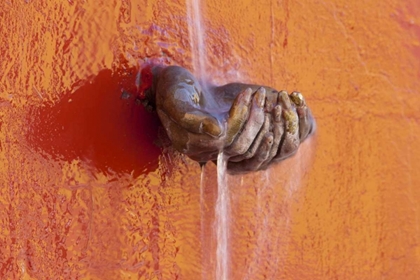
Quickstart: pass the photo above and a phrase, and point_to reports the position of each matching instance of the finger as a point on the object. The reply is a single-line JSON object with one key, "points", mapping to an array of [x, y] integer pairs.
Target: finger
{"points": [[271, 99], [199, 147], [178, 94], [305, 117], [238, 114], [251, 152], [200, 122], [255, 121], [255, 162], [278, 133], [290, 142]]}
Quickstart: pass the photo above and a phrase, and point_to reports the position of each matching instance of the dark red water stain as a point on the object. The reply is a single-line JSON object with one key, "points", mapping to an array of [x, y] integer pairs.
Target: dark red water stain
{"points": [[100, 123]]}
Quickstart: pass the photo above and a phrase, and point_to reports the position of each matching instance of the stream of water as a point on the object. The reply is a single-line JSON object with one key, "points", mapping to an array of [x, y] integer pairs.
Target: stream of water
{"points": [[222, 209], [222, 213], [203, 219], [196, 34]]}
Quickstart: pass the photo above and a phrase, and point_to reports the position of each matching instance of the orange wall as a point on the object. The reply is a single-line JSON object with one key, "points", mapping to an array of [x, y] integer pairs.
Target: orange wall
{"points": [[86, 194]]}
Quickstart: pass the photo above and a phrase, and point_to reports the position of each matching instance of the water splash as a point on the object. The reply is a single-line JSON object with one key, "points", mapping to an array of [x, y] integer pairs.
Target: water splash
{"points": [[196, 34], [222, 220]]}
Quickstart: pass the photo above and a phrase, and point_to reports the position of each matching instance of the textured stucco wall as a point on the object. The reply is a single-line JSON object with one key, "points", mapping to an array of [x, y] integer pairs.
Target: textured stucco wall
{"points": [[86, 194]]}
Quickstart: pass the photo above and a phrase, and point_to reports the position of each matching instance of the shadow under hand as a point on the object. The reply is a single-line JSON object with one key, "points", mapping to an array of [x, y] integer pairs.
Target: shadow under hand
{"points": [[101, 124]]}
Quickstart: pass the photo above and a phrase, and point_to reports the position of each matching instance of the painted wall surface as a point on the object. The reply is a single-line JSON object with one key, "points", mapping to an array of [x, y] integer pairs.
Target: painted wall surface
{"points": [[86, 192]]}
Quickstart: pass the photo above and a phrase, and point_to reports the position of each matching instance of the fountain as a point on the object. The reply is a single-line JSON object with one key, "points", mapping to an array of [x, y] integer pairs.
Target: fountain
{"points": [[242, 127]]}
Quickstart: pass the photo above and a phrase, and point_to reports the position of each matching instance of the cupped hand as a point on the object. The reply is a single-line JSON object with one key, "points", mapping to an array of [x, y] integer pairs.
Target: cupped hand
{"points": [[285, 126], [198, 124], [254, 126]]}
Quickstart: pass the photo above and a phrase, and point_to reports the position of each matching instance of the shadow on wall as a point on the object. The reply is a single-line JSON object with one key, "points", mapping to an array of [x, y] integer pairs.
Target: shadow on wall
{"points": [[101, 124]]}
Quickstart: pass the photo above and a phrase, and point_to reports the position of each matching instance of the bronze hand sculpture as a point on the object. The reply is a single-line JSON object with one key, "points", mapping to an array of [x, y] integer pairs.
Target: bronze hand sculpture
{"points": [[253, 125]]}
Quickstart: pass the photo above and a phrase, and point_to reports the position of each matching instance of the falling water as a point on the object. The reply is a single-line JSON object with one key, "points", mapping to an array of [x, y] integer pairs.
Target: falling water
{"points": [[202, 213], [222, 220], [202, 210], [221, 226], [196, 34]]}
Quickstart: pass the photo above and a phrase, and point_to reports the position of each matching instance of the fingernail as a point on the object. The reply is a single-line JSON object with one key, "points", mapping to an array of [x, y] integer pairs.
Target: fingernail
{"points": [[261, 97], [212, 129], [277, 113], [248, 91], [269, 138], [247, 95], [284, 97], [297, 98], [270, 101]]}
